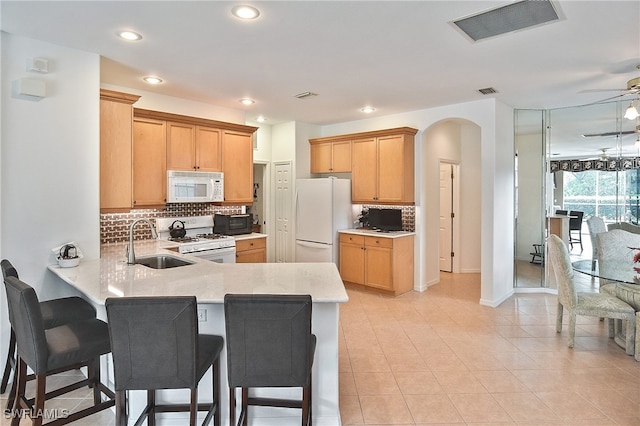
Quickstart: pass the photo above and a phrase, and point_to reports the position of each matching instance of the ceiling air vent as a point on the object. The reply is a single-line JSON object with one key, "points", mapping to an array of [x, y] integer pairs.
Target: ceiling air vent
{"points": [[505, 19], [487, 91], [305, 95]]}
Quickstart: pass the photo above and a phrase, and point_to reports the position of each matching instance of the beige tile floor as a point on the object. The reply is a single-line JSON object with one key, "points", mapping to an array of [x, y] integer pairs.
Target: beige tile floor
{"points": [[439, 358]]}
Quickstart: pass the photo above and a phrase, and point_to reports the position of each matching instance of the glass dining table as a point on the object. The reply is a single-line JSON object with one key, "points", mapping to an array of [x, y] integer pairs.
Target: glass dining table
{"points": [[622, 273]]}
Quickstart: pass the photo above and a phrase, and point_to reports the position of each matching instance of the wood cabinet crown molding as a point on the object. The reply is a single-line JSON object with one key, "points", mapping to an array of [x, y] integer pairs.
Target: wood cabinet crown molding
{"points": [[372, 134], [166, 116], [113, 96]]}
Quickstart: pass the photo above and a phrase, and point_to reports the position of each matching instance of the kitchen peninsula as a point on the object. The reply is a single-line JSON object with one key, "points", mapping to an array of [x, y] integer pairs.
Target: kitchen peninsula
{"points": [[110, 276]]}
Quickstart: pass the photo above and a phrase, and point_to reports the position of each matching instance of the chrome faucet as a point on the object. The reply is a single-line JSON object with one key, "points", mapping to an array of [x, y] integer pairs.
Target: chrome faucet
{"points": [[131, 255]]}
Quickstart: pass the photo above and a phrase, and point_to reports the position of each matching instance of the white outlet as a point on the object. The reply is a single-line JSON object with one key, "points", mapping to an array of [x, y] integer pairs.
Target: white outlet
{"points": [[202, 315]]}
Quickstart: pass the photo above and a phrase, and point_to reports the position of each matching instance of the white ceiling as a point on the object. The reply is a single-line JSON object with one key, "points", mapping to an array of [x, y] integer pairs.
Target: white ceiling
{"points": [[396, 56]]}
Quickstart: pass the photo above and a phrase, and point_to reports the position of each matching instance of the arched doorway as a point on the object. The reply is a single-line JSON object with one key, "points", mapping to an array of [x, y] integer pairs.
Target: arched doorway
{"points": [[455, 141]]}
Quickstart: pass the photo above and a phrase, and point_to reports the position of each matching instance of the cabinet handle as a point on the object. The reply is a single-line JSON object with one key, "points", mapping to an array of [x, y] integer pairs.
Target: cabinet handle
{"points": [[251, 244]]}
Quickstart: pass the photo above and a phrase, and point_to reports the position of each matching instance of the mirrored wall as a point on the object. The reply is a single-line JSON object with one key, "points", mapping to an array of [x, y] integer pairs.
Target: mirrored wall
{"points": [[584, 158]]}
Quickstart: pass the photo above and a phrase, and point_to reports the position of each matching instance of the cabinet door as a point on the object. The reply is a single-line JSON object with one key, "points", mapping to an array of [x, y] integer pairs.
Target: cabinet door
{"points": [[208, 149], [391, 168], [352, 263], [364, 187], [321, 157], [149, 162], [251, 256], [115, 154], [181, 146], [341, 157], [379, 267], [237, 165]]}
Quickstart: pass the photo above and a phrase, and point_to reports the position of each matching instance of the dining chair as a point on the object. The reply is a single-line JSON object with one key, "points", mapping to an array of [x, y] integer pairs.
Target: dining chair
{"points": [[596, 226], [601, 305], [560, 212], [156, 345], [65, 347], [269, 345], [575, 228], [54, 313]]}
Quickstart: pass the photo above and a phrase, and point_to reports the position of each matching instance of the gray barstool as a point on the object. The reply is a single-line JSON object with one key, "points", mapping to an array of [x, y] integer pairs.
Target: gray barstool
{"points": [[269, 344], [155, 345], [58, 349], [54, 313]]}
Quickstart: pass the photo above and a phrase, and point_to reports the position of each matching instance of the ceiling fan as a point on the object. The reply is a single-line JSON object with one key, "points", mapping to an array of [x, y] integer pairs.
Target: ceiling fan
{"points": [[620, 133], [633, 87]]}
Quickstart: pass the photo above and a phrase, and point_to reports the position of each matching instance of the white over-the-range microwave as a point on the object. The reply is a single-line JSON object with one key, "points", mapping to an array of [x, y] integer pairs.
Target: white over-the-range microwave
{"points": [[194, 187]]}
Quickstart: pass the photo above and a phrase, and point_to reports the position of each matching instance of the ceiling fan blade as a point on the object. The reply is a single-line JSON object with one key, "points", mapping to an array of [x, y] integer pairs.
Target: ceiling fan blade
{"points": [[595, 135], [602, 90]]}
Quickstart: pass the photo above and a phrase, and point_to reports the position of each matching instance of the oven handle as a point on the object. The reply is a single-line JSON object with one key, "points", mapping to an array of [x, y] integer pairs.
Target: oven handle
{"points": [[201, 253]]}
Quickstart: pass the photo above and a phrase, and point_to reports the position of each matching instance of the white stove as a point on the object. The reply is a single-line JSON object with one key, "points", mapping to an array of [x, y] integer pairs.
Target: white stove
{"points": [[199, 240]]}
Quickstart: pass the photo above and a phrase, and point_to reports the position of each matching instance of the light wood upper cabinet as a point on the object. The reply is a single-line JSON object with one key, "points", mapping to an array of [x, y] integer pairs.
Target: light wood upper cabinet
{"points": [[191, 147], [330, 157], [181, 146], [381, 163], [116, 130], [383, 167], [149, 162], [237, 165], [209, 149]]}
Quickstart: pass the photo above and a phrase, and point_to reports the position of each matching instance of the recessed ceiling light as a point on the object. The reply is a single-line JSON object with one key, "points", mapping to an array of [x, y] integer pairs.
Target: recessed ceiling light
{"points": [[245, 12], [153, 80], [247, 101], [261, 119], [367, 109], [129, 35]]}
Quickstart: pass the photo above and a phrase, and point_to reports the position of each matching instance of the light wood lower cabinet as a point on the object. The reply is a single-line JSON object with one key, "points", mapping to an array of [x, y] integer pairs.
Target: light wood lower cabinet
{"points": [[378, 262], [253, 250]]}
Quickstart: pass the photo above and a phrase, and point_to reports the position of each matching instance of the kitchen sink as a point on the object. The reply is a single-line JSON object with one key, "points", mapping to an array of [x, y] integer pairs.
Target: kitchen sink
{"points": [[162, 261]]}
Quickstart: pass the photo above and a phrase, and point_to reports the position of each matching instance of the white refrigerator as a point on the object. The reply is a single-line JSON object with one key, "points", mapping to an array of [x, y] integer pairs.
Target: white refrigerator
{"points": [[323, 206]]}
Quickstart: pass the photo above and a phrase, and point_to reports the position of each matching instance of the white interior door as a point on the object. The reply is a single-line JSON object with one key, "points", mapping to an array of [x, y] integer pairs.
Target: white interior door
{"points": [[283, 195], [446, 219]]}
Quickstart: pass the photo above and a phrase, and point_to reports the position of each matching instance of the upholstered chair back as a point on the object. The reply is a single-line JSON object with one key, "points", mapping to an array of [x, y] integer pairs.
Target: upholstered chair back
{"points": [[561, 263], [26, 321]]}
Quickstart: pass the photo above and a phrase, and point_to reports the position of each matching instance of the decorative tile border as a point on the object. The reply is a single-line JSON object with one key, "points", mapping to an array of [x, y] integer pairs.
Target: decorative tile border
{"points": [[114, 227], [408, 215]]}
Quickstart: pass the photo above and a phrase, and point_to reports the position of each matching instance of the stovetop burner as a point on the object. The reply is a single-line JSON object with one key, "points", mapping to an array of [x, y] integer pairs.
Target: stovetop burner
{"points": [[211, 236], [183, 239]]}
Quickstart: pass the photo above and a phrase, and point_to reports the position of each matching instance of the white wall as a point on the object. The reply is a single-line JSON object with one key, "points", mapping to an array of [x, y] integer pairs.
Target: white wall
{"points": [[495, 121], [49, 156]]}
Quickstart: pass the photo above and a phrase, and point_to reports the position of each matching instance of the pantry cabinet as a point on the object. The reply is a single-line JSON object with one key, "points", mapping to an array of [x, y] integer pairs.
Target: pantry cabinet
{"points": [[330, 156], [252, 250], [191, 147], [382, 263], [149, 162], [116, 132]]}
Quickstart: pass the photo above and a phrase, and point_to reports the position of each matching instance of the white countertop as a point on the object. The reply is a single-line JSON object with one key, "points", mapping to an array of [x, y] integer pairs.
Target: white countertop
{"points": [[110, 276], [249, 236], [372, 233]]}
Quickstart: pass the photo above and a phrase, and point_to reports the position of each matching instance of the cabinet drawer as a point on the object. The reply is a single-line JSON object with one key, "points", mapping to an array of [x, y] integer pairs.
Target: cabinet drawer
{"points": [[378, 242], [351, 239], [251, 244]]}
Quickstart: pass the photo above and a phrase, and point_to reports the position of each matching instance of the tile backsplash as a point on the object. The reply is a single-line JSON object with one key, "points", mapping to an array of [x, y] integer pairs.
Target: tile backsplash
{"points": [[114, 227]]}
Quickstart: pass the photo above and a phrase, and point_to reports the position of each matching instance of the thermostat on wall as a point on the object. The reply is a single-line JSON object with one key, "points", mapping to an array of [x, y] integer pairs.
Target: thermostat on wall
{"points": [[38, 64]]}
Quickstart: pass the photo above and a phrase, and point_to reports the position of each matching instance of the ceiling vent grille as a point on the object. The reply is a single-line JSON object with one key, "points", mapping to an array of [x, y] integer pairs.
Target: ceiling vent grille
{"points": [[305, 95], [505, 19], [487, 91]]}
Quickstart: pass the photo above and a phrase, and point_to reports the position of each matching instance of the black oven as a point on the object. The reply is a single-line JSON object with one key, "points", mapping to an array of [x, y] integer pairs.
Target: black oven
{"points": [[233, 224]]}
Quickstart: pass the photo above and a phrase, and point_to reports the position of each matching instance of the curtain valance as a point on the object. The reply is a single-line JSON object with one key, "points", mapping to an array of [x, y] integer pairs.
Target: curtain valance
{"points": [[611, 164]]}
